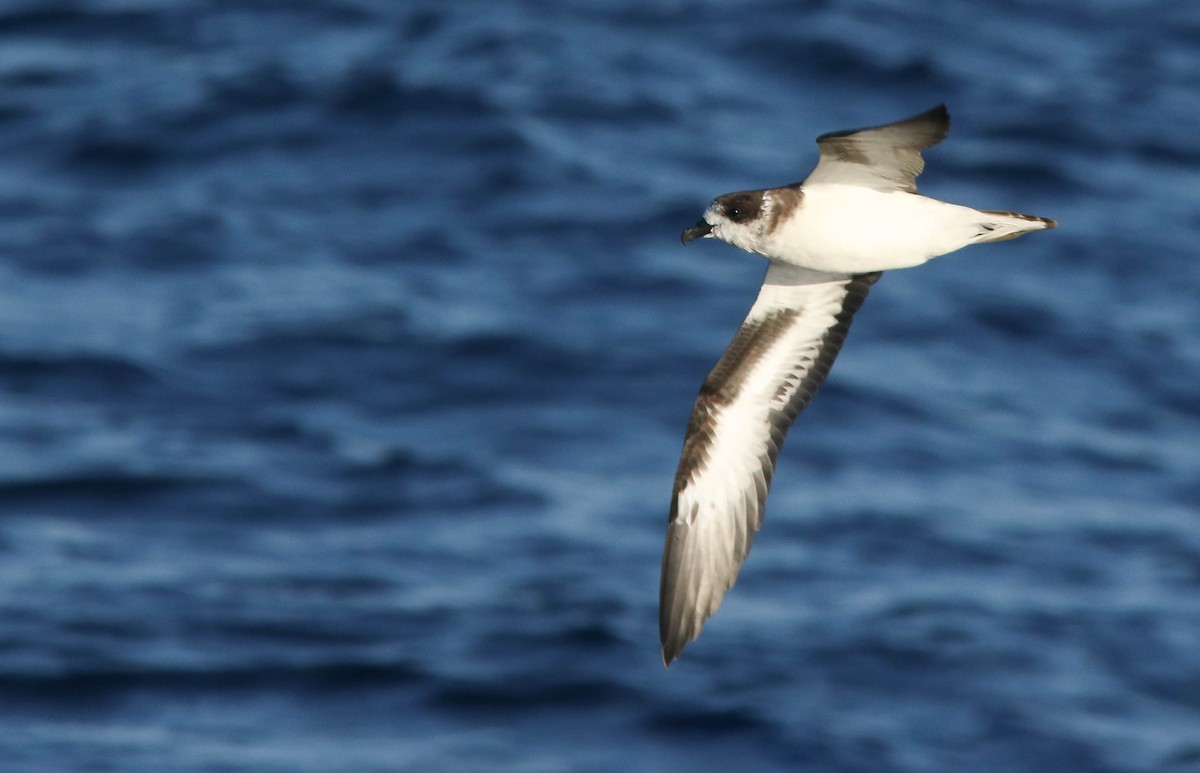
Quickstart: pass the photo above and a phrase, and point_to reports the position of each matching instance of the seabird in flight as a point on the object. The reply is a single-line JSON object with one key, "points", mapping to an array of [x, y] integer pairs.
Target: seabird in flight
{"points": [[826, 240]]}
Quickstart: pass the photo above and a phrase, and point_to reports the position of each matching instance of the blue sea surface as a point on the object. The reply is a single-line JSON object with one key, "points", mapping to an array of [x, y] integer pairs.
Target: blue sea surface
{"points": [[347, 346]]}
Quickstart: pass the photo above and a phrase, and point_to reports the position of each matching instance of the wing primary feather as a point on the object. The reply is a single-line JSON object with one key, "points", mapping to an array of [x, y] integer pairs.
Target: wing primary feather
{"points": [[936, 120], [885, 157]]}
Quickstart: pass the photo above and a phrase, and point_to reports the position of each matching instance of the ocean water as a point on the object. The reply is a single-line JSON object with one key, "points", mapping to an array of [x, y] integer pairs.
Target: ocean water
{"points": [[346, 348]]}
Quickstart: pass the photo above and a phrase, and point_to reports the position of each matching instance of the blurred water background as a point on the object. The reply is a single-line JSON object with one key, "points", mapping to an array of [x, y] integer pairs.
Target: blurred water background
{"points": [[346, 348]]}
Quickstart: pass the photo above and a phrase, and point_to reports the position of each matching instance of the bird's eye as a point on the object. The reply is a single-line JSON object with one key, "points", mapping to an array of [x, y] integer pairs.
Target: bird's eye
{"points": [[739, 209]]}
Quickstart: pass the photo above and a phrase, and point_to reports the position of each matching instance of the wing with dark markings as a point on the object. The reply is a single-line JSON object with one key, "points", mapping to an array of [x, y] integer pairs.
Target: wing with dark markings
{"points": [[767, 376], [887, 157]]}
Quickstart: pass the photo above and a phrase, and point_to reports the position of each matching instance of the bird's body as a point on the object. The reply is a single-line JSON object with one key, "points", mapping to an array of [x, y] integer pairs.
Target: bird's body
{"points": [[827, 239], [849, 228]]}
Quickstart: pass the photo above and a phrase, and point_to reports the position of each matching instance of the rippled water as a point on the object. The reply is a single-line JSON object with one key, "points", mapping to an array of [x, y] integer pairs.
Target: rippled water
{"points": [[346, 348]]}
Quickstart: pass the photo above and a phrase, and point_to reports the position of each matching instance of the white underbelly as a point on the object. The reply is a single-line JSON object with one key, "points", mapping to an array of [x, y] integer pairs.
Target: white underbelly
{"points": [[845, 228]]}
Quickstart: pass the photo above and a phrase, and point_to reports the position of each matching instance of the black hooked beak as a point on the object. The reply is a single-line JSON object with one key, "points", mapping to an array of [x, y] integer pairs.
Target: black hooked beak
{"points": [[701, 228]]}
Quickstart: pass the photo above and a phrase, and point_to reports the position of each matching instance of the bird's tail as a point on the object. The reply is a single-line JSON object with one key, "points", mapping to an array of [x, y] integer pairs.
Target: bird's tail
{"points": [[997, 226]]}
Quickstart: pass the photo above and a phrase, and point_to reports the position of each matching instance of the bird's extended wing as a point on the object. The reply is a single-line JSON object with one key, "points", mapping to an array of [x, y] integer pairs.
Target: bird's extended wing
{"points": [[887, 156], [769, 373]]}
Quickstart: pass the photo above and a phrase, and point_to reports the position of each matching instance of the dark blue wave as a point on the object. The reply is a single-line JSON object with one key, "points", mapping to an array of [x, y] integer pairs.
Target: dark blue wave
{"points": [[347, 346]]}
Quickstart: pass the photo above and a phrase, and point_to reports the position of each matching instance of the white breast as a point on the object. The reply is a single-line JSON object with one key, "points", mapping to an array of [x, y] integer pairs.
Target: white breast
{"points": [[850, 228]]}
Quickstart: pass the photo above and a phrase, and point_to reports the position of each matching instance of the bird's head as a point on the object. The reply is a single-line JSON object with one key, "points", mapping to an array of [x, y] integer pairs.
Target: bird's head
{"points": [[740, 219]]}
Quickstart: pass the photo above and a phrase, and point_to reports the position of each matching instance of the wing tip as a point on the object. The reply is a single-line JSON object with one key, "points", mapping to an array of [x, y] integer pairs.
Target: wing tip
{"points": [[673, 628], [938, 119], [672, 643]]}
